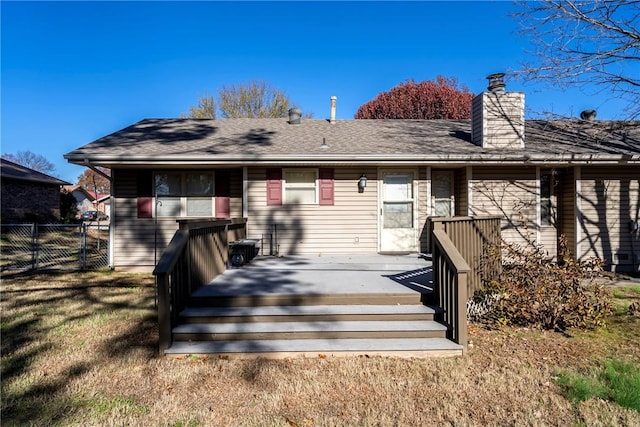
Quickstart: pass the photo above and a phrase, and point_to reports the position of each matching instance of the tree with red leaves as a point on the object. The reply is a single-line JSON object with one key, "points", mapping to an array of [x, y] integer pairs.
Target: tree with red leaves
{"points": [[439, 99]]}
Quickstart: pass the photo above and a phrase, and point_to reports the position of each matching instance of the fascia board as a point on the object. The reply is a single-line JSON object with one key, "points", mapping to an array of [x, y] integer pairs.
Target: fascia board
{"points": [[379, 159]]}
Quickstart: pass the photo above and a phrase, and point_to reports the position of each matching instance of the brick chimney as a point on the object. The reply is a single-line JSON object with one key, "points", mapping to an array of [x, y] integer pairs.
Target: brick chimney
{"points": [[497, 120]]}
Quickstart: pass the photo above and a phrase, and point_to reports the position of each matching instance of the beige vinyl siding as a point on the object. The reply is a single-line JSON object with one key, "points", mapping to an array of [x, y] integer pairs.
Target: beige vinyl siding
{"points": [[549, 241], [235, 199], [609, 201], [460, 190], [349, 226], [139, 242], [477, 120], [567, 208], [134, 238], [511, 193], [423, 199]]}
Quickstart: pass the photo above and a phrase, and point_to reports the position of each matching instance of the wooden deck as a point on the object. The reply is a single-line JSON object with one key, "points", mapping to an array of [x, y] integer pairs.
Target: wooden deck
{"points": [[374, 274], [283, 307]]}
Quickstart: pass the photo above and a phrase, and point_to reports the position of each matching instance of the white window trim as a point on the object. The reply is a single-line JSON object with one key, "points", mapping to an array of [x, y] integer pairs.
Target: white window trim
{"points": [[316, 185], [548, 172], [183, 193], [413, 186]]}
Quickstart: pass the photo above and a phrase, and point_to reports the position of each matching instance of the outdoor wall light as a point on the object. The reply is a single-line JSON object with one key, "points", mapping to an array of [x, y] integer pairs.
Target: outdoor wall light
{"points": [[362, 183]]}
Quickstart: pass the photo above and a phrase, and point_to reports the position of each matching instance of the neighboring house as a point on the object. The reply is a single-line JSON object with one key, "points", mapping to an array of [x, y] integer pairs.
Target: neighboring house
{"points": [[28, 195], [303, 179], [104, 203], [84, 199], [88, 200]]}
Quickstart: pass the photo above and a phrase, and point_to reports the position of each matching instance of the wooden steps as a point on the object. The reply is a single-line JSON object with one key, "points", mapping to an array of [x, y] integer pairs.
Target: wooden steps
{"points": [[276, 349], [308, 313], [291, 299], [286, 325], [308, 330]]}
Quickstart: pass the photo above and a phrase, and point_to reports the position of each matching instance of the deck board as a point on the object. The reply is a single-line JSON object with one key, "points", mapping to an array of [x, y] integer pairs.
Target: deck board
{"points": [[324, 275], [406, 347]]}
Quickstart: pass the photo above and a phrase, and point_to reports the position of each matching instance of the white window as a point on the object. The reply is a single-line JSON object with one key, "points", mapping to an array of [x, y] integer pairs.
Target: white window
{"points": [[199, 194], [184, 194], [300, 186], [442, 193], [398, 201], [546, 192]]}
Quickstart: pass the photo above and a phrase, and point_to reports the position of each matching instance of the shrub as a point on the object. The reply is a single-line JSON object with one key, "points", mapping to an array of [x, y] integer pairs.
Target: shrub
{"points": [[534, 291], [68, 208]]}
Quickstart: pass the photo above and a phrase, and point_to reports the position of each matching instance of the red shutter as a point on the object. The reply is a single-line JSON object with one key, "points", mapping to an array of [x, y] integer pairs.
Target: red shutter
{"points": [[274, 186], [144, 191], [145, 207], [223, 207], [326, 186], [223, 194]]}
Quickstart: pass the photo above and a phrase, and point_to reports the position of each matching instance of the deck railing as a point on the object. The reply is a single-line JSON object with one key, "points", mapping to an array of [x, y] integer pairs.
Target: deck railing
{"points": [[197, 253], [450, 276], [474, 238]]}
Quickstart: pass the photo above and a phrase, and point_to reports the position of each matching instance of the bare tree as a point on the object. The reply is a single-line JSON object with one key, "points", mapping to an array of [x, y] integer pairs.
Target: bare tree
{"points": [[580, 43], [31, 160], [256, 99], [206, 108]]}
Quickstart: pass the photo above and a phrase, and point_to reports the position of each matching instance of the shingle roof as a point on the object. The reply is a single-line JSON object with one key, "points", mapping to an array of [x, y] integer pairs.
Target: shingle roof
{"points": [[92, 195], [11, 170], [272, 140]]}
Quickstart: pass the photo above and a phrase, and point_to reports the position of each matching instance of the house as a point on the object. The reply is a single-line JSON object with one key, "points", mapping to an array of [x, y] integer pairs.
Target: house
{"points": [[103, 202], [89, 200], [84, 198], [320, 187], [28, 195]]}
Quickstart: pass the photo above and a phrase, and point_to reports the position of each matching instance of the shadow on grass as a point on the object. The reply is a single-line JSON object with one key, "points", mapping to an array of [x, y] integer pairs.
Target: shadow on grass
{"points": [[36, 310], [142, 336], [39, 308], [42, 400]]}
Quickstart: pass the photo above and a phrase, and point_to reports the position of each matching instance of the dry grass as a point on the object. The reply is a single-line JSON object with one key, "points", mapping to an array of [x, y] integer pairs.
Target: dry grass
{"points": [[80, 349]]}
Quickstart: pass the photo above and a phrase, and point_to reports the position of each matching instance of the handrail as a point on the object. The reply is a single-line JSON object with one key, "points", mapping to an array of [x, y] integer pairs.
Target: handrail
{"points": [[474, 237], [197, 253], [451, 273], [170, 256], [450, 252], [166, 283]]}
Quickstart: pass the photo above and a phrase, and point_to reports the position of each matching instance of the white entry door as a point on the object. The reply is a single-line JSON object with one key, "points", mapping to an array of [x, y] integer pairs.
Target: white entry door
{"points": [[397, 221]]}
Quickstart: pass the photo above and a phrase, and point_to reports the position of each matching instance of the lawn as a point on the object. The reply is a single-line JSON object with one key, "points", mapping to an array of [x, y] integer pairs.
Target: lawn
{"points": [[81, 349]]}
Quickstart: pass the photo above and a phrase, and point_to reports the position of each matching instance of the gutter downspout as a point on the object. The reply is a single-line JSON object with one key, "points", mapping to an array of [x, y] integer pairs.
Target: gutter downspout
{"points": [[96, 170]]}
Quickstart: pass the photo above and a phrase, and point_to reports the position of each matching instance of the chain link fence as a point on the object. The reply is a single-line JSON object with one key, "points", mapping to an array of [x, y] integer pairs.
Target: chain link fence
{"points": [[54, 246]]}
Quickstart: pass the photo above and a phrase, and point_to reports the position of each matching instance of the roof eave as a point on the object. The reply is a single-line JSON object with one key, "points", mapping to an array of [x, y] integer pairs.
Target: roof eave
{"points": [[382, 159], [52, 182]]}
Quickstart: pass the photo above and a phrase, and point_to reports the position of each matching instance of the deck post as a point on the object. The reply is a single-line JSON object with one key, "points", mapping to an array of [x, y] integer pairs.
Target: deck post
{"points": [[461, 311], [451, 277], [164, 313]]}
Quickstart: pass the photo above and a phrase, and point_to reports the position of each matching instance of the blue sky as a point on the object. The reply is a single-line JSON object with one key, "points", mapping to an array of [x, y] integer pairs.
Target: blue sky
{"points": [[73, 72]]}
